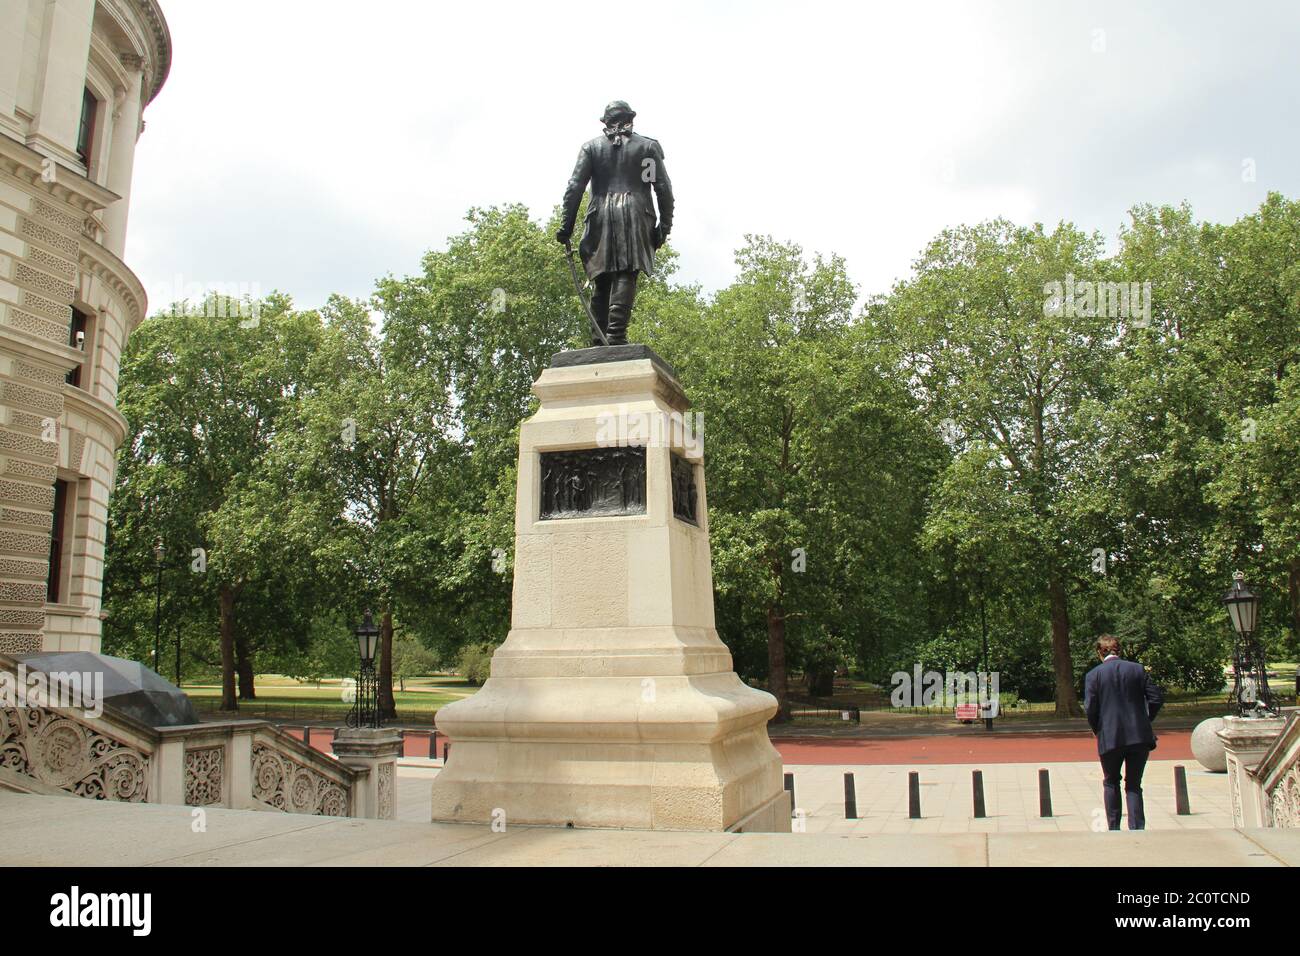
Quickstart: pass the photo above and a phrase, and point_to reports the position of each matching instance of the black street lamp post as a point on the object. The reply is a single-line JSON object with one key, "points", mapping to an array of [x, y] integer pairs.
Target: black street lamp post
{"points": [[365, 712], [1249, 668], [159, 552]]}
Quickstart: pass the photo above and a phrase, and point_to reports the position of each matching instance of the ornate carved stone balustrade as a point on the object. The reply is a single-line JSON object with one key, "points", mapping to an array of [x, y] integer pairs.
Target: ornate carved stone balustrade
{"points": [[251, 765], [240, 764], [43, 749]]}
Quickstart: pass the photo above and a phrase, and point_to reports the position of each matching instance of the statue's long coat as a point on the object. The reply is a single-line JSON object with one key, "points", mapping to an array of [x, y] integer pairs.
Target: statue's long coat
{"points": [[618, 234]]}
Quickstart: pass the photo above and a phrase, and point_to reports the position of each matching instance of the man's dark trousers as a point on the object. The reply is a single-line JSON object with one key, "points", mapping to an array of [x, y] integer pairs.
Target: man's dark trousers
{"points": [[1133, 760]]}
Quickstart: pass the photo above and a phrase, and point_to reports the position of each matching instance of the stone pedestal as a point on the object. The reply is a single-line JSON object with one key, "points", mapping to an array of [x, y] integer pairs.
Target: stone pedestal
{"points": [[375, 751], [612, 702], [1245, 741]]}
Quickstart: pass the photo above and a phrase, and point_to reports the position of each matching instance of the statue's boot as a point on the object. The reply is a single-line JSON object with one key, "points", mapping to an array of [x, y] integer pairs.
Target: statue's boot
{"points": [[622, 294], [600, 305]]}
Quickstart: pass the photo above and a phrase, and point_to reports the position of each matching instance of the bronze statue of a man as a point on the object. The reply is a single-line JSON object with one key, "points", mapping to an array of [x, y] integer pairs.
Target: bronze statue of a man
{"points": [[619, 235]]}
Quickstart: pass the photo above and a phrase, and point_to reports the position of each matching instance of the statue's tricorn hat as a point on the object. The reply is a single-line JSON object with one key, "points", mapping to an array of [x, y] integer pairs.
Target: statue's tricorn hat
{"points": [[618, 108]]}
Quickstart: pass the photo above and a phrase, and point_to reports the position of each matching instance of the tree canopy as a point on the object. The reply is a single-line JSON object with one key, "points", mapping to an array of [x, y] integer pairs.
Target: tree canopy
{"points": [[1026, 441]]}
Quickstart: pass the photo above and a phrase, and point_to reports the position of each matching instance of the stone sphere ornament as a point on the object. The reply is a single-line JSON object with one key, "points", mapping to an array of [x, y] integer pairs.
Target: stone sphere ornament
{"points": [[1207, 747]]}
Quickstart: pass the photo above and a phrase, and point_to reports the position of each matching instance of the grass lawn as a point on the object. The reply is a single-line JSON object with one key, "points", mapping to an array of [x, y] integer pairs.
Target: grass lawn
{"points": [[279, 696]]}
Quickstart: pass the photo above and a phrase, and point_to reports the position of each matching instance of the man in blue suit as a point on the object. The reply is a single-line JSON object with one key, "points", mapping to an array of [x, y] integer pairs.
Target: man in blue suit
{"points": [[1121, 701]]}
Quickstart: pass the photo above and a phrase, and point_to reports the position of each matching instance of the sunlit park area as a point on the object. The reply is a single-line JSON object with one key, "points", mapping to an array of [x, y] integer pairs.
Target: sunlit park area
{"points": [[852, 703], [281, 696]]}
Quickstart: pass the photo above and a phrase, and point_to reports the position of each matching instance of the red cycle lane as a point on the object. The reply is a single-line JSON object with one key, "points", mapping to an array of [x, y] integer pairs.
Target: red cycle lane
{"points": [[965, 749]]}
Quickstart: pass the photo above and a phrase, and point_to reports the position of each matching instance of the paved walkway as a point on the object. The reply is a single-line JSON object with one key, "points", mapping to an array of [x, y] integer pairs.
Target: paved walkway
{"points": [[67, 831], [1010, 798]]}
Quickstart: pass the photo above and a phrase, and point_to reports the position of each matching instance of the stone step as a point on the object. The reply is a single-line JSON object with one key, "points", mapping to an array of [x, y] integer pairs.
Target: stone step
{"points": [[57, 831]]}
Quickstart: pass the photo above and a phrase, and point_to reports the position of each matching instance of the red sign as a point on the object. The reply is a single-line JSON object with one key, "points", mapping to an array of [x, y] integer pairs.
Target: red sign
{"points": [[968, 712]]}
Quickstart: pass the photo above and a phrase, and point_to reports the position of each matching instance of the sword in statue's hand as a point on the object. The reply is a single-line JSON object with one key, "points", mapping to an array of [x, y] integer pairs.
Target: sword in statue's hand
{"points": [[586, 306]]}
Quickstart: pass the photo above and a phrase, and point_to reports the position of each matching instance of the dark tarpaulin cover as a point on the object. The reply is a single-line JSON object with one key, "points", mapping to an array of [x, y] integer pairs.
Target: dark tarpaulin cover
{"points": [[129, 687]]}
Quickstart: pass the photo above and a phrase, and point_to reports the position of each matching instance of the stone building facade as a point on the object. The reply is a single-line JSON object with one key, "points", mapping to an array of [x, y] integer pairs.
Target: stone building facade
{"points": [[75, 77]]}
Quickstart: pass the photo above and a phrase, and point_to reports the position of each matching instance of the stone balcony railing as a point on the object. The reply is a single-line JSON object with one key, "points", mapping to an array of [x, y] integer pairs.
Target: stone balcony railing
{"points": [[1277, 778], [1263, 758], [237, 764]]}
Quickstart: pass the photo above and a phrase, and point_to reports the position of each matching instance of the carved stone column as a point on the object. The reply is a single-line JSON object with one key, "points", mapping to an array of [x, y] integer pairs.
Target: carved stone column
{"points": [[121, 156]]}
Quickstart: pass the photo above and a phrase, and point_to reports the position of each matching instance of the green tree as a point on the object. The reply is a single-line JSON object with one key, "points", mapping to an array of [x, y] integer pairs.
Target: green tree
{"points": [[206, 391], [1251, 344], [1003, 352], [411, 659], [809, 458], [1144, 474], [474, 662], [369, 454], [330, 650], [483, 319]]}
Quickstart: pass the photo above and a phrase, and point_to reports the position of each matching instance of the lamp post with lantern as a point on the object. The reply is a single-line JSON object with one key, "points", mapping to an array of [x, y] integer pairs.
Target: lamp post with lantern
{"points": [[159, 554], [365, 711], [1249, 668]]}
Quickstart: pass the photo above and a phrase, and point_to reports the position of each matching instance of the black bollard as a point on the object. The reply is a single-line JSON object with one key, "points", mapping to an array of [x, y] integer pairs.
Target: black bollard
{"points": [[306, 735], [850, 798], [1184, 808], [433, 744], [446, 750], [913, 795], [1044, 794], [977, 786], [789, 785]]}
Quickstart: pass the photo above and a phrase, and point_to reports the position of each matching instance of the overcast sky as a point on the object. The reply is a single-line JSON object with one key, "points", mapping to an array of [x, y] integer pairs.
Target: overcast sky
{"points": [[312, 146]]}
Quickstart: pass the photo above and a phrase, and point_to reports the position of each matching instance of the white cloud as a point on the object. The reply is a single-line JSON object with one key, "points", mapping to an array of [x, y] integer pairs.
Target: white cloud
{"points": [[314, 146]]}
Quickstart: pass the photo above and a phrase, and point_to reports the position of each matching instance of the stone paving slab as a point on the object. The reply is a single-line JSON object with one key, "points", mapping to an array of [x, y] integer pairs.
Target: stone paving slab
{"points": [[55, 831], [1280, 844], [786, 849], [339, 842], [40, 831], [554, 846], [1010, 797], [1124, 848]]}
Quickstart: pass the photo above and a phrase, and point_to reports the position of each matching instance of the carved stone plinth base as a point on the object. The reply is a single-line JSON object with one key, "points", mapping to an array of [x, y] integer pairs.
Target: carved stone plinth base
{"points": [[374, 751], [612, 702]]}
